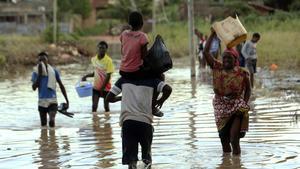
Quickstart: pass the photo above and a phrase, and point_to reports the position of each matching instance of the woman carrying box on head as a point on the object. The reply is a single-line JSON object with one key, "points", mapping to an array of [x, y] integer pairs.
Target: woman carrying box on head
{"points": [[232, 90]]}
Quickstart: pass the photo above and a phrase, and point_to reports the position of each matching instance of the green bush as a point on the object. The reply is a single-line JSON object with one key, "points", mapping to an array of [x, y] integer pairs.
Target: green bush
{"points": [[21, 49], [98, 29], [281, 16], [47, 36], [295, 6], [103, 27], [2, 59], [239, 7], [175, 37]]}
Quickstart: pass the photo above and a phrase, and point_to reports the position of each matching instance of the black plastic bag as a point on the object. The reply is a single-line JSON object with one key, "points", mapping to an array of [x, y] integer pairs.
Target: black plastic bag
{"points": [[158, 59]]}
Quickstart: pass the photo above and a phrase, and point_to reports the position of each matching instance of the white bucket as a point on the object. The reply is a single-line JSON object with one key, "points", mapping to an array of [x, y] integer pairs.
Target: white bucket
{"points": [[230, 31]]}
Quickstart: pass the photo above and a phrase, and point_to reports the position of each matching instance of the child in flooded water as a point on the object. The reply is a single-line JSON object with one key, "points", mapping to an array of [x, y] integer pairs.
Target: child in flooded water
{"points": [[231, 85], [134, 50], [250, 54], [136, 115], [45, 78], [201, 44], [103, 69]]}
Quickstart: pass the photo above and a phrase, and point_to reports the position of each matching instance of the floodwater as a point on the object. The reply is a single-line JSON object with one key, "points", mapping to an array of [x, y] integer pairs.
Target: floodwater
{"points": [[186, 137]]}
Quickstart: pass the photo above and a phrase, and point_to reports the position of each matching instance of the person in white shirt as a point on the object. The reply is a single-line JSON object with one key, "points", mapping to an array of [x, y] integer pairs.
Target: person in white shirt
{"points": [[249, 52], [136, 115]]}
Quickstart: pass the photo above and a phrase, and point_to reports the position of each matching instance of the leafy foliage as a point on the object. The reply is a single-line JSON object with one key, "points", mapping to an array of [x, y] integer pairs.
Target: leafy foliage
{"points": [[47, 36], [280, 4], [2, 59], [122, 8], [295, 6], [80, 7]]}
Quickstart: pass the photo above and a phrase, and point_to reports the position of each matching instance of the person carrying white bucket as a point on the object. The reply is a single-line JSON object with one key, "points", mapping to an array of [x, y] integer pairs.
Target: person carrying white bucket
{"points": [[103, 69]]}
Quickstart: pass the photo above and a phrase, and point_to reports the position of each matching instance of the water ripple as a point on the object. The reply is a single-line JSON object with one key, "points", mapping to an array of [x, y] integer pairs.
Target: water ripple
{"points": [[186, 137]]}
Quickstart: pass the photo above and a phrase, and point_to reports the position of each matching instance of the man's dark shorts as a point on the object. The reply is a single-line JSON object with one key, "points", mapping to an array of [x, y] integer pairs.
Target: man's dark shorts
{"points": [[52, 108]]}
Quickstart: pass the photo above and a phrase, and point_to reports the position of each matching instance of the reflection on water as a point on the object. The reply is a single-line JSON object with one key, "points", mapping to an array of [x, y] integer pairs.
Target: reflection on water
{"points": [[186, 137], [48, 151], [229, 161], [104, 141]]}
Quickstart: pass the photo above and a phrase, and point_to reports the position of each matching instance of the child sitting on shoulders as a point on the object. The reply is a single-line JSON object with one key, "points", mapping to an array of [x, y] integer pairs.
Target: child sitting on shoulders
{"points": [[134, 49]]}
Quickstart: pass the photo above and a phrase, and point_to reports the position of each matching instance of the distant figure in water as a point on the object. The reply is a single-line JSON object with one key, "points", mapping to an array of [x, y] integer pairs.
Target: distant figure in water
{"points": [[201, 45], [250, 54], [103, 70], [241, 57], [232, 91], [45, 78]]}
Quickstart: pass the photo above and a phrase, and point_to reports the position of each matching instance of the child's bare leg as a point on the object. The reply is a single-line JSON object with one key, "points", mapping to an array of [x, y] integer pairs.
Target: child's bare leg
{"points": [[105, 103], [252, 80], [52, 112], [156, 111], [95, 100], [52, 118], [43, 118], [235, 136]]}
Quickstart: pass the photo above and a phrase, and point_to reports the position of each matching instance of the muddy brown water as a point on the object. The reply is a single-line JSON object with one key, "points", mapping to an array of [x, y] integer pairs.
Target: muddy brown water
{"points": [[186, 137]]}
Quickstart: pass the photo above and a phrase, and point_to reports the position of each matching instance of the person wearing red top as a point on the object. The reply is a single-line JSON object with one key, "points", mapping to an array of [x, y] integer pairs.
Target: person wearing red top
{"points": [[134, 49]]}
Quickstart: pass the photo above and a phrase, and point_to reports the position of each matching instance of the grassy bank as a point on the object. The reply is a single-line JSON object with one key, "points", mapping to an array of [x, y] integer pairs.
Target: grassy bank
{"points": [[17, 49], [279, 43], [22, 50], [280, 38]]}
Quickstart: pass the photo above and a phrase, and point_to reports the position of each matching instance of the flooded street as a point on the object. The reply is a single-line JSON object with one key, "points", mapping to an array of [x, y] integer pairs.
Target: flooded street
{"points": [[186, 137]]}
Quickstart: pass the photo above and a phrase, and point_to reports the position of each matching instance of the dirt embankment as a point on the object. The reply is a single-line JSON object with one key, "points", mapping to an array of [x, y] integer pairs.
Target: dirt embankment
{"points": [[18, 52], [60, 54]]}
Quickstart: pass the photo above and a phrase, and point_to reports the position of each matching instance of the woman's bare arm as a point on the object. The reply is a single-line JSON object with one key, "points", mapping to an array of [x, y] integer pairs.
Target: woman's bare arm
{"points": [[247, 93], [208, 57]]}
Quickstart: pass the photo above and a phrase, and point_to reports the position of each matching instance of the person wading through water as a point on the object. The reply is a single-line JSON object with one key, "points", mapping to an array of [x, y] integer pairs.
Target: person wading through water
{"points": [[232, 90]]}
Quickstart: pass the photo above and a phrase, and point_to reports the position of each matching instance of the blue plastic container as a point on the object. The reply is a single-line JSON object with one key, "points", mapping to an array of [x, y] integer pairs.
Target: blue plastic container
{"points": [[84, 89]]}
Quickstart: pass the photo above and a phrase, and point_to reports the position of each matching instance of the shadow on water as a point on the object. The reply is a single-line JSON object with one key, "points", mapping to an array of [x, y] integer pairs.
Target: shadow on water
{"points": [[186, 137]]}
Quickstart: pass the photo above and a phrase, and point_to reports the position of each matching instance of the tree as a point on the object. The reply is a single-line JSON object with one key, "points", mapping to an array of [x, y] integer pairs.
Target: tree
{"points": [[122, 8], [64, 6], [80, 7], [280, 4]]}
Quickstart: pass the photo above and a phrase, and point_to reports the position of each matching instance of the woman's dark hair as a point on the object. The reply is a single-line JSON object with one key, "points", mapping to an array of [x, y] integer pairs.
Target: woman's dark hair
{"points": [[43, 54], [257, 35], [135, 20], [103, 43]]}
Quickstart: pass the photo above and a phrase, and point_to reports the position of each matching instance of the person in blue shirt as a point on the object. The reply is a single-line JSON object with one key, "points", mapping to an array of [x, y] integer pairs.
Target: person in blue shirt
{"points": [[44, 78], [215, 48]]}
